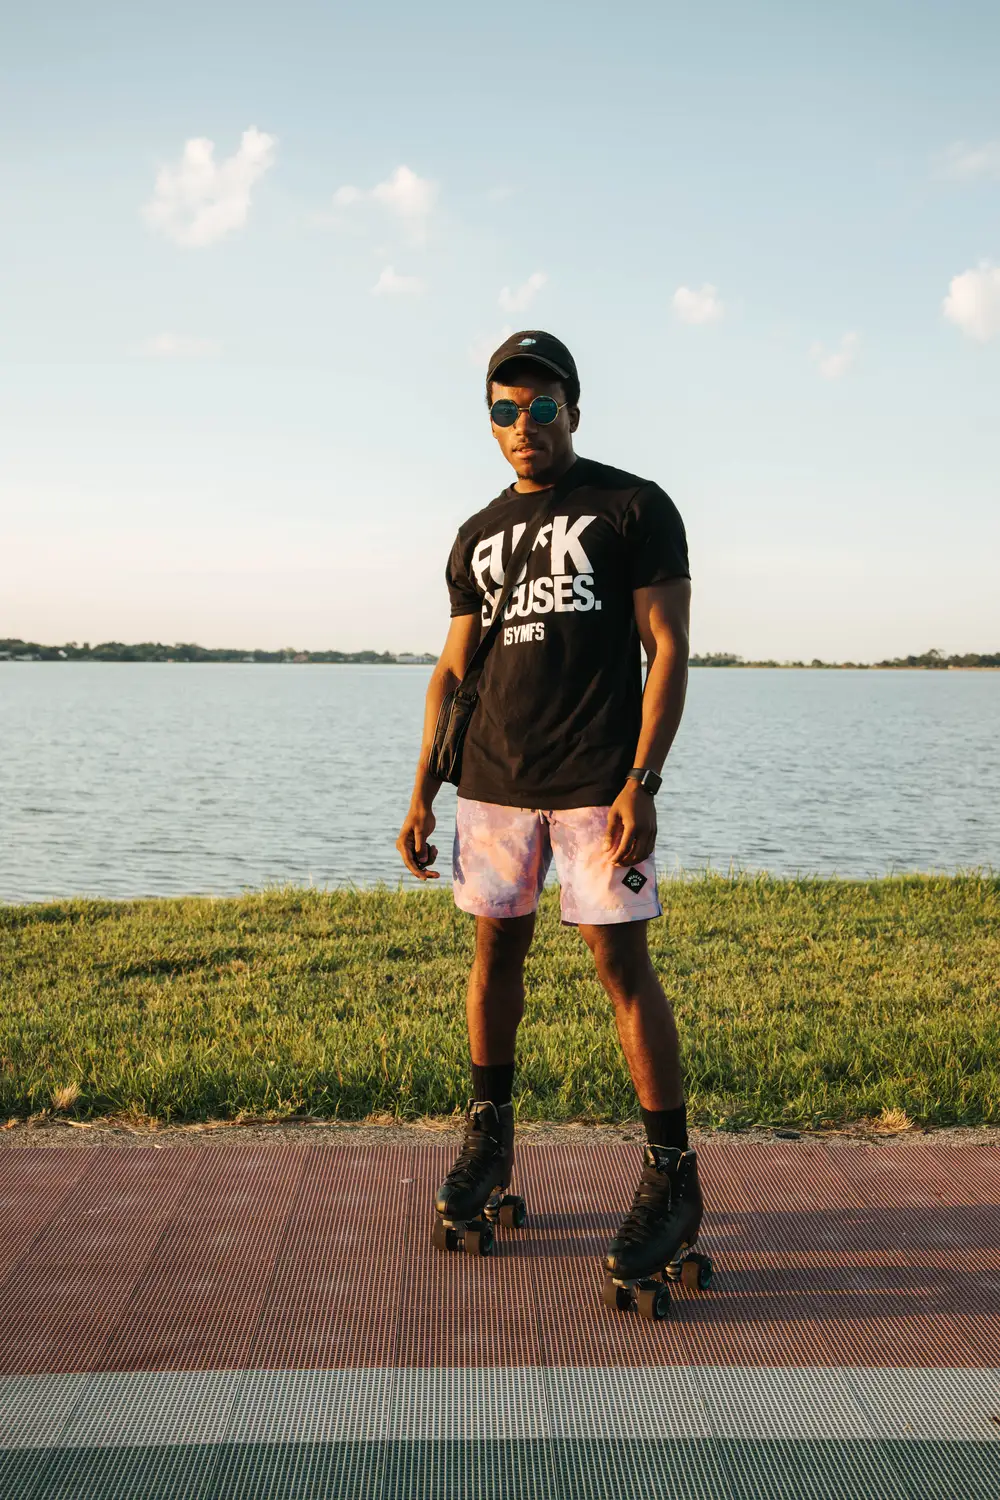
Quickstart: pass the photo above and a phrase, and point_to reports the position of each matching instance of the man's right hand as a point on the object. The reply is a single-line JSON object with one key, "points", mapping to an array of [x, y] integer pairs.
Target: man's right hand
{"points": [[418, 855]]}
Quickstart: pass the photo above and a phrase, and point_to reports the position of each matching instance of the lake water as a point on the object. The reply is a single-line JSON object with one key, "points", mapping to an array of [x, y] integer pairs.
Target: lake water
{"points": [[136, 780]]}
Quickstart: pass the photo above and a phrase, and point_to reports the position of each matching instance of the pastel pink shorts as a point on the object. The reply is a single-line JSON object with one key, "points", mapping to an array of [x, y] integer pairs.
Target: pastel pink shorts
{"points": [[502, 855]]}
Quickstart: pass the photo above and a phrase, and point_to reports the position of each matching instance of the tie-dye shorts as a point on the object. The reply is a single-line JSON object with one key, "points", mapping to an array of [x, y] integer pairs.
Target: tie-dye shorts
{"points": [[502, 855]]}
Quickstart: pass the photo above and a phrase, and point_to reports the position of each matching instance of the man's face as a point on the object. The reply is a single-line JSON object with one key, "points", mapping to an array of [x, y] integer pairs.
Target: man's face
{"points": [[533, 450]]}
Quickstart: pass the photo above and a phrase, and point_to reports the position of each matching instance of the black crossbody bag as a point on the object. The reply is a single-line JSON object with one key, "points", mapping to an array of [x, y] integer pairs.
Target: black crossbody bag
{"points": [[445, 759]]}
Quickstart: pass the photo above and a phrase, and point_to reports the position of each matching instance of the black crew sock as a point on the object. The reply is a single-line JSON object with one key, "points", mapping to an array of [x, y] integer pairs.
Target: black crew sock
{"points": [[666, 1127], [494, 1082]]}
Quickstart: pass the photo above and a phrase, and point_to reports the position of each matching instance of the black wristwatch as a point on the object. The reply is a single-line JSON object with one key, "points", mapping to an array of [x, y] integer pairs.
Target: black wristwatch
{"points": [[648, 780]]}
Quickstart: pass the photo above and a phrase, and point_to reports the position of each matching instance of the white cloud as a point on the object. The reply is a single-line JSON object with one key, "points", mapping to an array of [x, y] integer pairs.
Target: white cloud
{"points": [[518, 299], [180, 346], [832, 364], [345, 196], [199, 200], [391, 284], [406, 194], [973, 302], [704, 306], [409, 198], [964, 163]]}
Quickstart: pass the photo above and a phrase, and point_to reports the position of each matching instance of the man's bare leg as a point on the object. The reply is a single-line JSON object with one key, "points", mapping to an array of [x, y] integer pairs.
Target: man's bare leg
{"points": [[494, 1001], [645, 1021]]}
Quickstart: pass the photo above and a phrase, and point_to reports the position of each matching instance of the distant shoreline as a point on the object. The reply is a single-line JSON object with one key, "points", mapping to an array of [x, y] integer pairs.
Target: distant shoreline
{"points": [[755, 666], [927, 661], [852, 666], [15, 650], [149, 651]]}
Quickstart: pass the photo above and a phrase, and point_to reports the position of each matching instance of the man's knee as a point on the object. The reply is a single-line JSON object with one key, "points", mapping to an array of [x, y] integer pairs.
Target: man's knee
{"points": [[622, 961], [502, 944]]}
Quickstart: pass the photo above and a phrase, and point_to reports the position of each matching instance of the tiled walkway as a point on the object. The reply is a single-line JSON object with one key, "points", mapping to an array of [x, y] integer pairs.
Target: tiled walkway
{"points": [[271, 1321]]}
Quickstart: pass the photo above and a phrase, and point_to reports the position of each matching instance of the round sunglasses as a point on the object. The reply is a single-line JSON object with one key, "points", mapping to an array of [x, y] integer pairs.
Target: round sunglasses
{"points": [[543, 410]]}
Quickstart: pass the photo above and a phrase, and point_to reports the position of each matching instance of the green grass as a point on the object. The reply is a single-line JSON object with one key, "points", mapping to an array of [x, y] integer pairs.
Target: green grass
{"points": [[800, 1002]]}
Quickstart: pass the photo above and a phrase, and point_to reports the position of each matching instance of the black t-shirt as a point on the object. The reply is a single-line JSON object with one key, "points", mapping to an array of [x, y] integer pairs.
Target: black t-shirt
{"points": [[560, 705]]}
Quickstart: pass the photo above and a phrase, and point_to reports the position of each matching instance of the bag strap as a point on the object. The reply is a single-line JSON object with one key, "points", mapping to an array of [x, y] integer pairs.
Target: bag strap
{"points": [[518, 558]]}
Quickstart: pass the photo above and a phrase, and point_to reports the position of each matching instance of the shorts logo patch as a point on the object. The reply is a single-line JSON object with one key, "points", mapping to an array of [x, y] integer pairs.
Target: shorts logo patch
{"points": [[634, 880]]}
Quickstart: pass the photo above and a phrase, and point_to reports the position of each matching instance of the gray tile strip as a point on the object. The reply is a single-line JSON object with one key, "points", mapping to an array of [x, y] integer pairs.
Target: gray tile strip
{"points": [[492, 1403]]}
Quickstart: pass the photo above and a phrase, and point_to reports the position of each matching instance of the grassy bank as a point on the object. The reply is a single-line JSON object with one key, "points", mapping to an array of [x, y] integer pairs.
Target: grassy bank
{"points": [[801, 1003]]}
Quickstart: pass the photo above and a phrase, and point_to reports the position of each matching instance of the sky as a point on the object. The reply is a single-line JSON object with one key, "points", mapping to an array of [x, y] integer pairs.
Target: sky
{"points": [[253, 258]]}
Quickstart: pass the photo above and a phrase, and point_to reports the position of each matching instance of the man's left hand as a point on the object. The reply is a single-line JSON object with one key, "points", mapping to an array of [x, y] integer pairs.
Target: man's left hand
{"points": [[631, 826]]}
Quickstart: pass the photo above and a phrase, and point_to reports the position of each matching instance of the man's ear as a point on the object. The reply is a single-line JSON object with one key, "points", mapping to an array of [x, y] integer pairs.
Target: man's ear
{"points": [[574, 418]]}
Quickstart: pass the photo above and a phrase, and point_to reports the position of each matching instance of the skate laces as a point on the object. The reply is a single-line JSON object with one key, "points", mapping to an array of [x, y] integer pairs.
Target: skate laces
{"points": [[653, 1199], [478, 1148]]}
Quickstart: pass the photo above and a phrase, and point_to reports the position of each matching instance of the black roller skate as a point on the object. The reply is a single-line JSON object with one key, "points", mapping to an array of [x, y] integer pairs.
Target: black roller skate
{"points": [[473, 1197], [655, 1244]]}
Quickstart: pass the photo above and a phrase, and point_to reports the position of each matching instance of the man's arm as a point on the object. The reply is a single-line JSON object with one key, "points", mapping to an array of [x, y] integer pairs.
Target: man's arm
{"points": [[418, 825], [662, 614]]}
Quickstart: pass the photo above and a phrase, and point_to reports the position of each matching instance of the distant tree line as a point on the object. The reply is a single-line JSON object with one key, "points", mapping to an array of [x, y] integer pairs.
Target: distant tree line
{"points": [[16, 650], [932, 660]]}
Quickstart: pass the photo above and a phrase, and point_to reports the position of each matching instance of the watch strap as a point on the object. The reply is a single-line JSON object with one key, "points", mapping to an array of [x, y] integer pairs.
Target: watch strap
{"points": [[650, 781]]}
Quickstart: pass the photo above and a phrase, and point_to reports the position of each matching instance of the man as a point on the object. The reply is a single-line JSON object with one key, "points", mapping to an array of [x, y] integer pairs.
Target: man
{"points": [[562, 759]]}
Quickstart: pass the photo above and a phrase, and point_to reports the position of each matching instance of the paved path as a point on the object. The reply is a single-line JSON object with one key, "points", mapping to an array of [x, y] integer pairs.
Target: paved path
{"points": [[271, 1321]]}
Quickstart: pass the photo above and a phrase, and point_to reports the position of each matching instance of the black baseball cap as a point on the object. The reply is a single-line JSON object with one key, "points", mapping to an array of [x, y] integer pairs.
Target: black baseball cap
{"points": [[534, 343]]}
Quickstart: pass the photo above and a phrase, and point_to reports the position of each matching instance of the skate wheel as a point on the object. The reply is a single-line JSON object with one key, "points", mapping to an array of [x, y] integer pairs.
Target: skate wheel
{"points": [[618, 1298], [513, 1212], [652, 1301], [443, 1238], [696, 1272], [479, 1238]]}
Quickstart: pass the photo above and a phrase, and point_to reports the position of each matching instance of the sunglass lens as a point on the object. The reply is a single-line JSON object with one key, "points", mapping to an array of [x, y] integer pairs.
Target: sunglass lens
{"points": [[503, 413], [543, 410]]}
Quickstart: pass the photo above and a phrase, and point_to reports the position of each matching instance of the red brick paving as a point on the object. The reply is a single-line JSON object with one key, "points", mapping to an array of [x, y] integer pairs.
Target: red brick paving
{"points": [[261, 1257]]}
